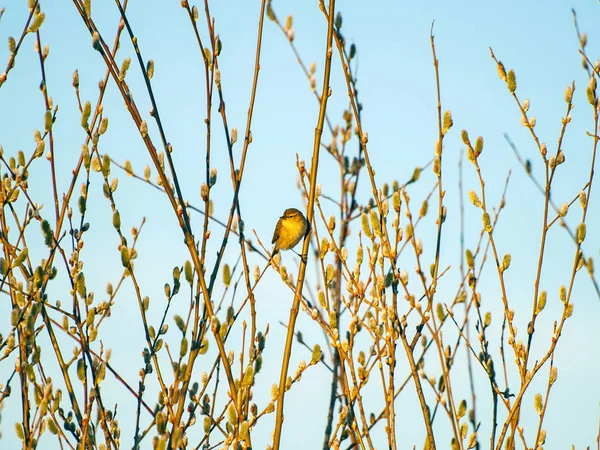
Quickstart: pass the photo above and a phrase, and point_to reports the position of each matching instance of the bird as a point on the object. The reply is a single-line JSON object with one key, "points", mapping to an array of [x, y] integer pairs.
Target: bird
{"points": [[290, 229]]}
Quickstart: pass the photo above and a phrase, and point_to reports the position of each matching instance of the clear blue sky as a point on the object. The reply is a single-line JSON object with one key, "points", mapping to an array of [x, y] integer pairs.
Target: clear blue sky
{"points": [[397, 90]]}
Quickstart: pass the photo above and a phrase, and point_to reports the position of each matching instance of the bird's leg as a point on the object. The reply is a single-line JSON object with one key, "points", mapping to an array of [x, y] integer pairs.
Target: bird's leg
{"points": [[301, 257]]}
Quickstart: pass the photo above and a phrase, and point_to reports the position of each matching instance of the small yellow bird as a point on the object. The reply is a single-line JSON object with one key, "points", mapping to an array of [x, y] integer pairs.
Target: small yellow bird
{"points": [[290, 229]]}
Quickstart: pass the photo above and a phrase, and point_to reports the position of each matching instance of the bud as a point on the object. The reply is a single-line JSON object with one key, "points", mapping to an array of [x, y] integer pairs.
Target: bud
{"points": [[12, 45], [478, 146], [524, 121], [144, 129], [85, 115], [438, 148], [486, 222], [562, 293], [591, 96], [581, 232], [564, 210], [532, 122], [568, 94], [537, 403], [560, 158], [48, 121], [103, 126], [569, 309], [39, 150], [474, 199], [396, 201], [505, 262], [447, 122], [38, 20], [501, 71], [470, 259], [404, 276], [96, 42], [124, 68], [541, 303], [218, 45], [150, 68], [487, 320], [366, 229], [288, 23], [512, 81], [582, 199], [352, 53], [338, 20], [465, 137], [331, 223]]}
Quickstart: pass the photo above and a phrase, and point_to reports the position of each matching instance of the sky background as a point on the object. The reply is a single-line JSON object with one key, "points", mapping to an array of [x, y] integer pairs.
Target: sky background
{"points": [[396, 83]]}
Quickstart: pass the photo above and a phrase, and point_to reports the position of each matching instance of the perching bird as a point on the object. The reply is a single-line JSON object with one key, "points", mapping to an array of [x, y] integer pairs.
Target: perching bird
{"points": [[290, 229]]}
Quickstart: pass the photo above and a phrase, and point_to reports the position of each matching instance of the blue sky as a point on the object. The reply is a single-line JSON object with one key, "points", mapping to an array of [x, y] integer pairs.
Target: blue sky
{"points": [[397, 89]]}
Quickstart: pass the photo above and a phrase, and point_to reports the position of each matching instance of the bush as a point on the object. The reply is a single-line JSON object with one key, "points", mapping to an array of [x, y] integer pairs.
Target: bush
{"points": [[415, 319]]}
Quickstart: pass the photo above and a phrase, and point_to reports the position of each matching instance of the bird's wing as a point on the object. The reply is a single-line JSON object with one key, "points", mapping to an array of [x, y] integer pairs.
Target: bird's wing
{"points": [[277, 232]]}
